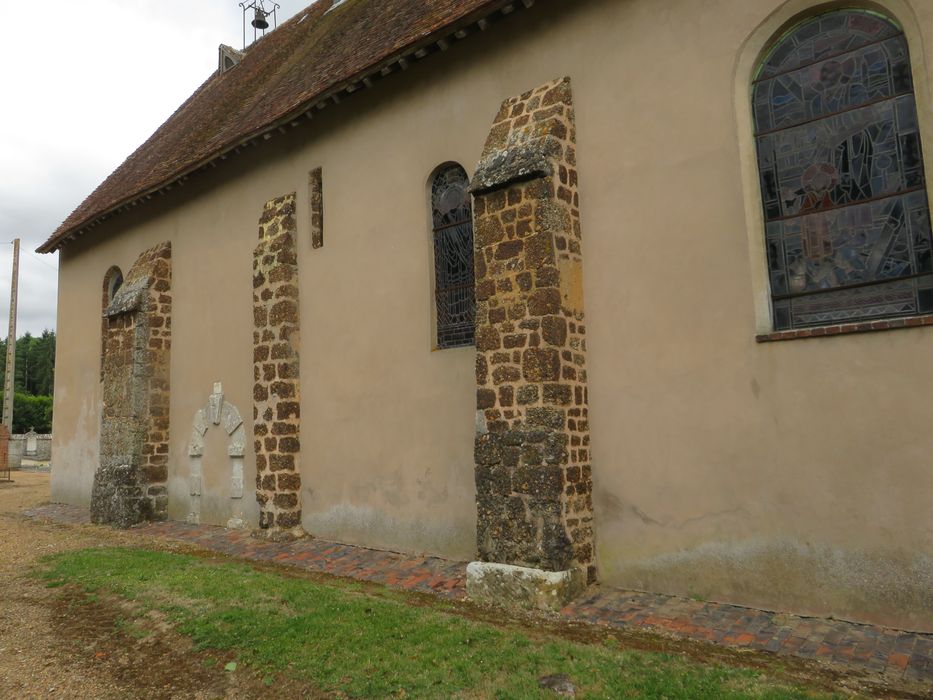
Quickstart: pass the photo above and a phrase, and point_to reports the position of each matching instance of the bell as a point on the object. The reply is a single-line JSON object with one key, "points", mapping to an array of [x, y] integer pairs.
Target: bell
{"points": [[259, 22]]}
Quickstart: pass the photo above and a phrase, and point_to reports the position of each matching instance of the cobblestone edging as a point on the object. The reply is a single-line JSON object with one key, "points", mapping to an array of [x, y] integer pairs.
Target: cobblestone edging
{"points": [[899, 656]]}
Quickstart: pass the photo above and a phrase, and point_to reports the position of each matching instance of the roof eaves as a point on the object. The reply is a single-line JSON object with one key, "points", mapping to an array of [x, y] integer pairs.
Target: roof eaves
{"points": [[433, 42]]}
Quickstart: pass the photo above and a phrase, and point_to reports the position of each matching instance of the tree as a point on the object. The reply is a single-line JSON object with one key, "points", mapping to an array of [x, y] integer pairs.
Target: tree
{"points": [[43, 375], [35, 364], [30, 412]]}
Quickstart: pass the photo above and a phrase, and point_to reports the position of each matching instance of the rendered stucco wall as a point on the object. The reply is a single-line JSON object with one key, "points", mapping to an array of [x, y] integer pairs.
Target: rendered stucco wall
{"points": [[789, 475]]}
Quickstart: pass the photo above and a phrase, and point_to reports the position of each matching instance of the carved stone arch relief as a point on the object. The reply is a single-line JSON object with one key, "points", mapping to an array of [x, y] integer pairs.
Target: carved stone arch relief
{"points": [[224, 414]]}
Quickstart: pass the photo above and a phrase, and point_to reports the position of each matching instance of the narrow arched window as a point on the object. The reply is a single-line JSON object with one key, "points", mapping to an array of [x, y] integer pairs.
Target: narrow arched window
{"points": [[454, 292], [112, 284], [845, 203]]}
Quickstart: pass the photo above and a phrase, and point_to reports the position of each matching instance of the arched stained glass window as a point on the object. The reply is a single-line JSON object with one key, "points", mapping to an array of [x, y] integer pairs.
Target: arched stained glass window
{"points": [[453, 257], [846, 214], [113, 284]]}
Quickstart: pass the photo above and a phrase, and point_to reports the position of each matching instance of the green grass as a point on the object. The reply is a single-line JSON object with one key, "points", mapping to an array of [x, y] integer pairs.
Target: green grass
{"points": [[340, 637]]}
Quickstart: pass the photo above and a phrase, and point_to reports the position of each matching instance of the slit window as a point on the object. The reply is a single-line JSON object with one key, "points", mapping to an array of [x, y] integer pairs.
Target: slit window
{"points": [[455, 296]]}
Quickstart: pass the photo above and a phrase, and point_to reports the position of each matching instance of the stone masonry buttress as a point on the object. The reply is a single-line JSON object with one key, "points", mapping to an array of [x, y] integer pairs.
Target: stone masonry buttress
{"points": [[130, 482], [276, 346], [532, 454]]}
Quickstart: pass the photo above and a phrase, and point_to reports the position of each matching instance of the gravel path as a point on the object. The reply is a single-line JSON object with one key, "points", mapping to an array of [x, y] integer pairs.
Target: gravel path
{"points": [[55, 645], [34, 661]]}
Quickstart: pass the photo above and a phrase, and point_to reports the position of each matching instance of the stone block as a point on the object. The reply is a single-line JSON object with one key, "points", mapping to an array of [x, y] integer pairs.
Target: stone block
{"points": [[522, 587], [488, 230], [196, 446], [487, 339], [214, 406], [528, 394], [485, 398], [544, 302], [501, 375], [237, 446], [288, 482], [199, 423], [237, 522], [231, 419], [541, 365], [554, 330], [539, 250], [509, 249]]}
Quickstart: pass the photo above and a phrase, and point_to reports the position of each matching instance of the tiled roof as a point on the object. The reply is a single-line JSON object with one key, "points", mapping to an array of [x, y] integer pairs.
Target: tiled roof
{"points": [[310, 58]]}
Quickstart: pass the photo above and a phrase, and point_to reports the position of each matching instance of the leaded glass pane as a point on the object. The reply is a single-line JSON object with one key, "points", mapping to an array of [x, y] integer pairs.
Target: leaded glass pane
{"points": [[871, 242], [826, 36], [848, 224], [847, 158], [904, 298], [453, 258], [851, 80], [450, 197]]}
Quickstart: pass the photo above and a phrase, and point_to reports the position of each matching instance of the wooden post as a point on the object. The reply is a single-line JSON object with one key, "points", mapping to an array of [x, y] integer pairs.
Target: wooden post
{"points": [[9, 383]]}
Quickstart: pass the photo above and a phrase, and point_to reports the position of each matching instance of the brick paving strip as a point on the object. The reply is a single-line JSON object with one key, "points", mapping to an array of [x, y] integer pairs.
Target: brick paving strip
{"points": [[896, 654]]}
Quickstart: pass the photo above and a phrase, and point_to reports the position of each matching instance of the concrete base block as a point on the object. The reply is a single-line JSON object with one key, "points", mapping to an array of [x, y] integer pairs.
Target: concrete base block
{"points": [[237, 522], [518, 586], [281, 535]]}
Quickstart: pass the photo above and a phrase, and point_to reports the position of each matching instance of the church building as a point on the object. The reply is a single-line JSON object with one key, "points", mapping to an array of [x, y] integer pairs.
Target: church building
{"points": [[620, 292]]}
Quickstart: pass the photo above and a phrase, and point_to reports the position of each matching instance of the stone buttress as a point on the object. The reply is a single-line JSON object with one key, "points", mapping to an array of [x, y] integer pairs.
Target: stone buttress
{"points": [[130, 482], [533, 473], [276, 395]]}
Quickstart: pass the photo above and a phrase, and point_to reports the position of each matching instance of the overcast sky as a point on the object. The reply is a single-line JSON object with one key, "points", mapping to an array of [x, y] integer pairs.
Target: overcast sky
{"points": [[83, 85]]}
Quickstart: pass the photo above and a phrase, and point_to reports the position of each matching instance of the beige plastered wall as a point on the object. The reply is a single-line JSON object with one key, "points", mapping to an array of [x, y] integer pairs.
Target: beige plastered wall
{"points": [[793, 475]]}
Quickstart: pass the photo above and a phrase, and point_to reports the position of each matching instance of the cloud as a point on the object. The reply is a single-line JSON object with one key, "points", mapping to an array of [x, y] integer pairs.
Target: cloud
{"points": [[84, 85]]}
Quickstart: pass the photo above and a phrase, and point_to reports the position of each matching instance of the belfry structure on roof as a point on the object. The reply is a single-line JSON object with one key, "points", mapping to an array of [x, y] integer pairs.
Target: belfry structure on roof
{"points": [[577, 293]]}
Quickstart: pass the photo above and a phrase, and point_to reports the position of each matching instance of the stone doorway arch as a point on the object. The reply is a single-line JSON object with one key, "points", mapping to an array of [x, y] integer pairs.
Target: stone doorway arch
{"points": [[218, 412]]}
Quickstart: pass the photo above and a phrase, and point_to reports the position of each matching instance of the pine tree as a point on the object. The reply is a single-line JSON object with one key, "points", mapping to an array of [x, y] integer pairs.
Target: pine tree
{"points": [[35, 364]]}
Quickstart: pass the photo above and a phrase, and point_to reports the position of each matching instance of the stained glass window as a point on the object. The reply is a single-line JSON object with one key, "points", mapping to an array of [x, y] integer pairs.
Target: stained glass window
{"points": [[847, 220], [114, 284], [453, 257]]}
